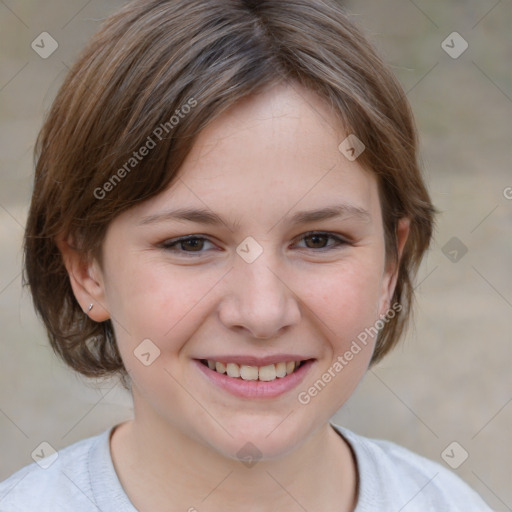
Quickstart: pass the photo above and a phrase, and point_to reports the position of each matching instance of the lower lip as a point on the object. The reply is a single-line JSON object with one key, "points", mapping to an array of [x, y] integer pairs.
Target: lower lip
{"points": [[256, 388]]}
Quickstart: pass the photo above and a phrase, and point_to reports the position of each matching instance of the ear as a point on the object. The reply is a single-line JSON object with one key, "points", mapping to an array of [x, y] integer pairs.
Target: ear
{"points": [[391, 273], [87, 281]]}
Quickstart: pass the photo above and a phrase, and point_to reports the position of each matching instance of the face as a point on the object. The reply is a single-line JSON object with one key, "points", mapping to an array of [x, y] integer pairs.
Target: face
{"points": [[267, 250]]}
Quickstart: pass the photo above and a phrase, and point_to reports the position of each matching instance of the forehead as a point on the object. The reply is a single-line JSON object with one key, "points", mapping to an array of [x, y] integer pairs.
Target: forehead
{"points": [[271, 153]]}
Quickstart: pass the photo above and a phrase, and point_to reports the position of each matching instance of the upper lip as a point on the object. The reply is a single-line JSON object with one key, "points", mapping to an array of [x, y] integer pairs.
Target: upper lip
{"points": [[256, 361]]}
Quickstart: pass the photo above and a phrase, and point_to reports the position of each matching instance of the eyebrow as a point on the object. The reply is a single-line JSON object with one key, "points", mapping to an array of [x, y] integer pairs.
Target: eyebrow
{"points": [[204, 216]]}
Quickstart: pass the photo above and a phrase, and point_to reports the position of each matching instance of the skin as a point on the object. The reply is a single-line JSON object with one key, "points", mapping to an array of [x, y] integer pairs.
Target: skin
{"points": [[263, 160]]}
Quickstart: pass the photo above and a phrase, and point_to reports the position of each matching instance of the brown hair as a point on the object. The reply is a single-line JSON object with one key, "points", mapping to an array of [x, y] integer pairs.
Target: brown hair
{"points": [[149, 61]]}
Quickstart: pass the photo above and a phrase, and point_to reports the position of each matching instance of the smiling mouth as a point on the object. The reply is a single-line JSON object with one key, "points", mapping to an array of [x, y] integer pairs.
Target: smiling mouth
{"points": [[266, 373]]}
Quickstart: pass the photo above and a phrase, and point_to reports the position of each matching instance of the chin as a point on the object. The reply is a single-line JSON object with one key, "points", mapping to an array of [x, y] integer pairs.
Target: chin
{"points": [[259, 438]]}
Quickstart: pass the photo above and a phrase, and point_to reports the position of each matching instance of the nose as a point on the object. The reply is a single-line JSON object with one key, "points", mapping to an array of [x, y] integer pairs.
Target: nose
{"points": [[258, 300]]}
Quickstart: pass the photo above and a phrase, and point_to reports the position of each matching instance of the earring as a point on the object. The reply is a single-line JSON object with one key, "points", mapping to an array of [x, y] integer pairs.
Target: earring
{"points": [[90, 307]]}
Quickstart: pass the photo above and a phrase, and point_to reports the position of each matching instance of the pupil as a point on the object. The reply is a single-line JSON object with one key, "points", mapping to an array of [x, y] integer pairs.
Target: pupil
{"points": [[193, 243], [317, 239]]}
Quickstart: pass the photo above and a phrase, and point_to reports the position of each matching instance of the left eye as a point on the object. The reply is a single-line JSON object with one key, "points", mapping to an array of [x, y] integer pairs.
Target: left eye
{"points": [[198, 244], [320, 240]]}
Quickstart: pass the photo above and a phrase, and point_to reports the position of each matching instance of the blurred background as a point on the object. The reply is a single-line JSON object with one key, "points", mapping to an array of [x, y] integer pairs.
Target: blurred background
{"points": [[450, 379]]}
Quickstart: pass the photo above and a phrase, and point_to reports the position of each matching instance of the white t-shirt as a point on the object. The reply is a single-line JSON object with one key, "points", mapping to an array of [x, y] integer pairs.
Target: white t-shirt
{"points": [[82, 478]]}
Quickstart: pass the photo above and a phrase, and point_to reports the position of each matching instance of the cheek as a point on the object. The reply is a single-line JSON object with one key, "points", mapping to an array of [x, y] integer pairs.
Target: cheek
{"points": [[347, 298], [156, 301], [346, 303]]}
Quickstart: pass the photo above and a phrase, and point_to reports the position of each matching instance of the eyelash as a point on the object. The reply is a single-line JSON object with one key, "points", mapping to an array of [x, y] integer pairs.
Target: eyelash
{"points": [[171, 244]]}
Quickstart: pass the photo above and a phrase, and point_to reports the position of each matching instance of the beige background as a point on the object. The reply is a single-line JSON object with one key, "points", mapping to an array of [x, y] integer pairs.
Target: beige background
{"points": [[450, 379]]}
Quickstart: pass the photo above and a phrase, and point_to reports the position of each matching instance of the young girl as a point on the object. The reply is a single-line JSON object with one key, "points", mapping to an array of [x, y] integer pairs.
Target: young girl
{"points": [[228, 214]]}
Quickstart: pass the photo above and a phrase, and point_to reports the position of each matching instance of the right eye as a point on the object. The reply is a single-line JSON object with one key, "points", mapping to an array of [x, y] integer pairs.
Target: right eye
{"points": [[186, 245]]}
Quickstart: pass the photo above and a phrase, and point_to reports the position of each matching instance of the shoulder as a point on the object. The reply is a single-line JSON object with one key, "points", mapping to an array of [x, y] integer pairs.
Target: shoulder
{"points": [[57, 482], [393, 476]]}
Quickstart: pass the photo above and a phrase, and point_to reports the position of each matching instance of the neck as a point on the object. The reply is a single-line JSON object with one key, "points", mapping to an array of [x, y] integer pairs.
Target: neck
{"points": [[159, 464]]}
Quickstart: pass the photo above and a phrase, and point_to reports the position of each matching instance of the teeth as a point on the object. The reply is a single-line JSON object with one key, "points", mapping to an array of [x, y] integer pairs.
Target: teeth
{"points": [[233, 370], [263, 373], [290, 367], [249, 372], [267, 373], [281, 369]]}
